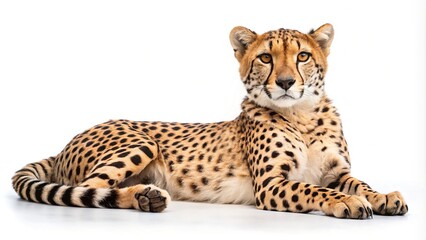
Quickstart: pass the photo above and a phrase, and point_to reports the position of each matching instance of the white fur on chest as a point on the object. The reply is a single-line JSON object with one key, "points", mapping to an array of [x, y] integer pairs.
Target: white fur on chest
{"points": [[308, 168], [312, 171]]}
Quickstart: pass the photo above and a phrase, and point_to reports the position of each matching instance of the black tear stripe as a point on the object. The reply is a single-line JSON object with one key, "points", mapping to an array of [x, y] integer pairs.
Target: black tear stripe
{"points": [[301, 77], [251, 70], [265, 83]]}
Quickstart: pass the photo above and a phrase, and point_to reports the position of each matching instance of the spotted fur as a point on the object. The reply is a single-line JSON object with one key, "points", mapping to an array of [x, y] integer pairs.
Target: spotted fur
{"points": [[284, 152]]}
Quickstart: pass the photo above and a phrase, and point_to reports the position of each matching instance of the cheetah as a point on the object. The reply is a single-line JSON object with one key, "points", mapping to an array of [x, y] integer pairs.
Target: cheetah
{"points": [[285, 151]]}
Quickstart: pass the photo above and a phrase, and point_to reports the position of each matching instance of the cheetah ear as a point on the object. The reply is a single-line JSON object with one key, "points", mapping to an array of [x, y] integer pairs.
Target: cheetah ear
{"points": [[241, 38], [324, 36]]}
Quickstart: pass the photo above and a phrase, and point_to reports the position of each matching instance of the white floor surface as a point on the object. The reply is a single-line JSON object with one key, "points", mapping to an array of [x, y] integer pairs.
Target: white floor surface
{"points": [[185, 220]]}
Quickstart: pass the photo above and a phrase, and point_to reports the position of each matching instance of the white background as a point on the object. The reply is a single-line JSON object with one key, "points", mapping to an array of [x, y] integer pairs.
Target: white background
{"points": [[67, 65]]}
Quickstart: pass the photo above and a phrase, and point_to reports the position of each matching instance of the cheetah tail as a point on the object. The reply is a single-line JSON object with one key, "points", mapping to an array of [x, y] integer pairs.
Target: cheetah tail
{"points": [[34, 183], [38, 174]]}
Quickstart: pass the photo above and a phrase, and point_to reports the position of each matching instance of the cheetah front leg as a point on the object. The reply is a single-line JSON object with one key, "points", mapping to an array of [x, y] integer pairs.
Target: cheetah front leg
{"points": [[271, 172], [279, 194], [337, 176]]}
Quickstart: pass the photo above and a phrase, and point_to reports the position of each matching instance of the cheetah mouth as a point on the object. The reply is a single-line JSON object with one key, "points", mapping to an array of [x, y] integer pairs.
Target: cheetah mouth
{"points": [[285, 97], [288, 96]]}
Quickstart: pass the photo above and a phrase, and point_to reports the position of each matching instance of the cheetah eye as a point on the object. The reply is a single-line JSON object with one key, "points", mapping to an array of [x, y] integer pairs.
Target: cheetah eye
{"points": [[265, 57], [303, 56]]}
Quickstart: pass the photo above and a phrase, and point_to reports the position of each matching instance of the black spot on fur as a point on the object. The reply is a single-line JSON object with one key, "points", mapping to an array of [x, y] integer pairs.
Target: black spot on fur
{"points": [[136, 159], [266, 181], [147, 151], [275, 154], [273, 203], [122, 155], [103, 176], [262, 196], [307, 191], [285, 204], [205, 181], [285, 167], [117, 164], [289, 153], [275, 191], [295, 186]]}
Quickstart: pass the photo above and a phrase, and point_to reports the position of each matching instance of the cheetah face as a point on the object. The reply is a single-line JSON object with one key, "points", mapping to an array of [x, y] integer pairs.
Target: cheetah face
{"points": [[282, 68]]}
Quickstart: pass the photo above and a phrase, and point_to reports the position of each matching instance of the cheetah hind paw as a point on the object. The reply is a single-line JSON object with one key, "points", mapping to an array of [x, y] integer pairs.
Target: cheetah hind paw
{"points": [[152, 199]]}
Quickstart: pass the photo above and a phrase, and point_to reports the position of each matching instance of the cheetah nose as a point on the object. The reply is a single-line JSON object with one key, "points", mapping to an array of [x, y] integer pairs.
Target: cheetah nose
{"points": [[285, 83]]}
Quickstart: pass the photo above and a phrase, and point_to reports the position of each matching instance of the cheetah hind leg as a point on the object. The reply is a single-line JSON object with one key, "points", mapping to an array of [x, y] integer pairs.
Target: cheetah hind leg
{"points": [[139, 191], [147, 197], [134, 179]]}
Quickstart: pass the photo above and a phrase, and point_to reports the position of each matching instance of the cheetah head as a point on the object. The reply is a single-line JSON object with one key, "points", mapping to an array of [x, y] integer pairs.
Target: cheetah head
{"points": [[282, 68]]}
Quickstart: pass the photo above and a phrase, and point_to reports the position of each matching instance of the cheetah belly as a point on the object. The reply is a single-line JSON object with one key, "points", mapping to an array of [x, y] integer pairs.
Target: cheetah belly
{"points": [[234, 190]]}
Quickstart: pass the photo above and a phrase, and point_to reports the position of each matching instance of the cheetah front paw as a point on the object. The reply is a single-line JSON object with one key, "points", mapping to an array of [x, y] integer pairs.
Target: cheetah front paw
{"points": [[389, 204], [152, 199], [350, 207]]}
